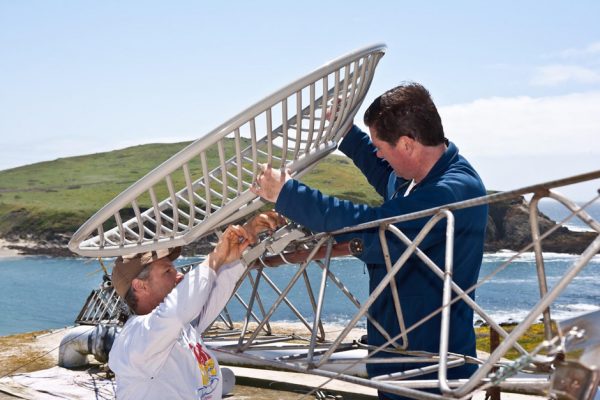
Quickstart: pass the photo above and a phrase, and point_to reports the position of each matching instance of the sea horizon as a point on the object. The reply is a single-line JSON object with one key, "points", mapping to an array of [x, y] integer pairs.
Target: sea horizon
{"points": [[42, 292]]}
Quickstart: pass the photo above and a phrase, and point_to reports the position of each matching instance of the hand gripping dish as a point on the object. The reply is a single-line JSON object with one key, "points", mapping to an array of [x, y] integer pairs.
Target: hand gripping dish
{"points": [[206, 185]]}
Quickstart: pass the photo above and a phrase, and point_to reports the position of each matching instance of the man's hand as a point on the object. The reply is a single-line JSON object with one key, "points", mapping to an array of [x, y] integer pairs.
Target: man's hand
{"points": [[269, 220], [269, 182], [232, 243]]}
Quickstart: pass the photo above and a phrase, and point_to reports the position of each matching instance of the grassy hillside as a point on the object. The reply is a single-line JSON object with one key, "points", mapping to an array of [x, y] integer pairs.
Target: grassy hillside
{"points": [[56, 197]]}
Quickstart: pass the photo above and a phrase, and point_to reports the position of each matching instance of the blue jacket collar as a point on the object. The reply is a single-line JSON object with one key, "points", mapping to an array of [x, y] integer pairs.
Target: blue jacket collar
{"points": [[449, 157]]}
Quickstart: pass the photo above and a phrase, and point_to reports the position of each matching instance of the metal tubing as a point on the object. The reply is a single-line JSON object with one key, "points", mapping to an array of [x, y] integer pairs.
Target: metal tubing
{"points": [[120, 225], [419, 371], [269, 121], [323, 105], [245, 274], [243, 303], [136, 210], [254, 145], [250, 305], [457, 289], [311, 120], [156, 211], [297, 257], [238, 161], [282, 295], [259, 301], [223, 168], [385, 281], [298, 124], [345, 107], [446, 297], [579, 264], [338, 104], [404, 391], [354, 301], [577, 210], [190, 192], [313, 303], [488, 199], [386, 360], [354, 80], [334, 98], [539, 260], [206, 178], [393, 289], [287, 302], [317, 319], [174, 207], [284, 131], [80, 242]]}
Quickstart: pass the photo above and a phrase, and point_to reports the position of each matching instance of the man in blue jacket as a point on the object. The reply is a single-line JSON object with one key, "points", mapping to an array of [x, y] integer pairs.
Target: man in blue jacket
{"points": [[411, 164]]}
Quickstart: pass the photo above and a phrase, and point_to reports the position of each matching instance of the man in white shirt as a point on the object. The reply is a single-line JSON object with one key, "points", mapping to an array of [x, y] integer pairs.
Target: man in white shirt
{"points": [[160, 354]]}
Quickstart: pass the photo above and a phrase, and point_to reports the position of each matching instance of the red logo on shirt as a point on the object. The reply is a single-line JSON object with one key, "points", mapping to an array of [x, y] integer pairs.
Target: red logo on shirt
{"points": [[208, 370]]}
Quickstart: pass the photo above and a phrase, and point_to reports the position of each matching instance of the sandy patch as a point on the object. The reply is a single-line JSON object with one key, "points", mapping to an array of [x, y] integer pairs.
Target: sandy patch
{"points": [[31, 351], [332, 331], [6, 252]]}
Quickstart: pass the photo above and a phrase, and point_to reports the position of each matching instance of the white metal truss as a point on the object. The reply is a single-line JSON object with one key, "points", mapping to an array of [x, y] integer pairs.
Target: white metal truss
{"points": [[337, 357], [288, 129], [314, 351]]}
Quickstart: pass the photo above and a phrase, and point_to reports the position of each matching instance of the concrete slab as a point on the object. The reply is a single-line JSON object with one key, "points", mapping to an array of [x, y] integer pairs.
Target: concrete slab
{"points": [[251, 383], [300, 383]]}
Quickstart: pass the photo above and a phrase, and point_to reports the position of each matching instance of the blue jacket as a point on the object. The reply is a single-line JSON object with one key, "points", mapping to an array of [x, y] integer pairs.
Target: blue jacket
{"points": [[451, 179]]}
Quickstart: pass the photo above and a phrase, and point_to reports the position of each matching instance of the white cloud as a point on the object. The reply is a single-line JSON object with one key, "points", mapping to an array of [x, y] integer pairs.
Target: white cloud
{"points": [[591, 49], [579, 66], [568, 124], [522, 141], [551, 75]]}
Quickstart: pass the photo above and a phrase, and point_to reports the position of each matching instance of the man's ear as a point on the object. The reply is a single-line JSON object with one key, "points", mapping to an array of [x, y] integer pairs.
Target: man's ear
{"points": [[406, 143], [138, 285]]}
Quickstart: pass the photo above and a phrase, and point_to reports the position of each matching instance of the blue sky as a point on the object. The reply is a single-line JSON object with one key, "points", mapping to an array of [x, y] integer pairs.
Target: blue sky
{"points": [[517, 83]]}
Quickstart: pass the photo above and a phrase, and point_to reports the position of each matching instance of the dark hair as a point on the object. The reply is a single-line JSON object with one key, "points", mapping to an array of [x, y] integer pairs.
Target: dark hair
{"points": [[406, 110], [131, 298]]}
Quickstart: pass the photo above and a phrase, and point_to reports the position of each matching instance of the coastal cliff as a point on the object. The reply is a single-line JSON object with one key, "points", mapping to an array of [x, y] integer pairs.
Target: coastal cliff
{"points": [[508, 229], [42, 204]]}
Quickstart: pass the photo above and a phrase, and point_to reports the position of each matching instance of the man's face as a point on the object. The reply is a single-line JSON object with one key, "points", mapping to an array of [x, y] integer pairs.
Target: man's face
{"points": [[163, 277], [396, 155]]}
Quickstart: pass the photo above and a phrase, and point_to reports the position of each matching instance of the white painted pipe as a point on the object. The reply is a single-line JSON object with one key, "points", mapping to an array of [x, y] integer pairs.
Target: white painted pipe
{"points": [[82, 341]]}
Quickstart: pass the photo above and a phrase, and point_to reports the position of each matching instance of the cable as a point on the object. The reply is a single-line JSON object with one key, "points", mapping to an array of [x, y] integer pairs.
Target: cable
{"points": [[42, 355]]}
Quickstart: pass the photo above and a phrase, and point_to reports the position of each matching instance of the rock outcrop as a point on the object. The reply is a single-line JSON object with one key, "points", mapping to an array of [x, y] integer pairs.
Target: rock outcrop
{"points": [[509, 228]]}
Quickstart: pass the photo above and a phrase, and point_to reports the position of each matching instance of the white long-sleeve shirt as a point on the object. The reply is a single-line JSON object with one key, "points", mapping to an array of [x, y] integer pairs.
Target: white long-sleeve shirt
{"points": [[161, 355]]}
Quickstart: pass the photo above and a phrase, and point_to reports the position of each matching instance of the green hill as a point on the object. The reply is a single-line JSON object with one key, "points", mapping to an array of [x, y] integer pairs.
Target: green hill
{"points": [[53, 198]]}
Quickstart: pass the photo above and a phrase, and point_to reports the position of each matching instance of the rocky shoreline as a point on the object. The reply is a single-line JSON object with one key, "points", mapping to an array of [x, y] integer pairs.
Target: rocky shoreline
{"points": [[508, 229], [59, 248]]}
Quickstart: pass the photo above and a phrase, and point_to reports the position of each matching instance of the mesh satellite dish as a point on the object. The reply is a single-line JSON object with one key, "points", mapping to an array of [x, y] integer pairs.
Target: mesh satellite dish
{"points": [[288, 129]]}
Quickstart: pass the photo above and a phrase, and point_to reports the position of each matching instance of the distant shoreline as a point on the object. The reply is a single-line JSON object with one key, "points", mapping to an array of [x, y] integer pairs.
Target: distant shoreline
{"points": [[8, 250], [508, 228], [24, 248]]}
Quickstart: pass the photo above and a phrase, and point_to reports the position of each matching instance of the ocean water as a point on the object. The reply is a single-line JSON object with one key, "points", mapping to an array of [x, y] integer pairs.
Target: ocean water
{"points": [[558, 212], [41, 292]]}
